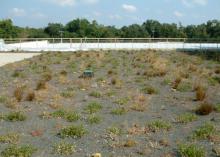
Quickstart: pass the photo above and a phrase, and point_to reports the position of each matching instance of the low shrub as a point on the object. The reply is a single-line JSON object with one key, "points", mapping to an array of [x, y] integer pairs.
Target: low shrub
{"points": [[15, 116], [93, 107], [204, 132], [186, 118], [204, 109], [191, 150], [64, 148], [73, 131], [158, 125], [15, 151]]}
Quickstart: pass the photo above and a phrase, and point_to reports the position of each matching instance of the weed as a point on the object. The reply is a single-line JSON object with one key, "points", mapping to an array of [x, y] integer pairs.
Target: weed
{"points": [[115, 130], [204, 109], [119, 111], [204, 132], [93, 107], [73, 131], [93, 119], [176, 82], [184, 87], [64, 148], [130, 143], [148, 89], [95, 94], [191, 150], [122, 101], [72, 116], [217, 108], [200, 93], [18, 93], [186, 118], [41, 85], [3, 99], [30, 96], [63, 72], [159, 125], [67, 94], [15, 151], [15, 116], [138, 107], [69, 116], [46, 77], [11, 138]]}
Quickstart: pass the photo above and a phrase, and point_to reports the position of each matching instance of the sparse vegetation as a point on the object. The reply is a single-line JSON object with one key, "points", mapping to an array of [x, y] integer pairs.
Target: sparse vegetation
{"points": [[11, 138], [64, 148], [158, 125], [74, 131], [18, 93], [191, 150], [15, 151], [94, 119], [15, 116], [204, 132], [204, 109], [93, 107], [134, 105], [119, 111], [186, 118]]}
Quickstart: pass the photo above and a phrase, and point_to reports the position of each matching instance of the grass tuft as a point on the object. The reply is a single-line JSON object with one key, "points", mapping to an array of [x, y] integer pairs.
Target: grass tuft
{"points": [[186, 150], [64, 148], [204, 109], [186, 118], [158, 125], [73, 131], [93, 107], [15, 151]]}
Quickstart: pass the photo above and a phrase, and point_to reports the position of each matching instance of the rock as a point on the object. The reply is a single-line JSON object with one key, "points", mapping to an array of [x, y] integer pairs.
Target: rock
{"points": [[96, 155]]}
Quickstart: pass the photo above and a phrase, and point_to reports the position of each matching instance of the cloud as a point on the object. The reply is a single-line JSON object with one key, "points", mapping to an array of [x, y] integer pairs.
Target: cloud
{"points": [[192, 3], [65, 3], [178, 14], [17, 12], [129, 8], [115, 17]]}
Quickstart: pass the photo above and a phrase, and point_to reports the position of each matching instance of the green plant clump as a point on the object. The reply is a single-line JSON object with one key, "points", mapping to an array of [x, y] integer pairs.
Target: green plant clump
{"points": [[73, 131], [15, 151], [186, 118], [119, 111], [93, 119], [15, 116], [69, 116], [93, 107], [9, 138], [64, 148], [191, 150], [159, 125], [204, 131]]}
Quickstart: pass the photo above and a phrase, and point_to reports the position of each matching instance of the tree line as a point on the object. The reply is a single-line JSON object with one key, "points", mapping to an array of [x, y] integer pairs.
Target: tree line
{"points": [[78, 28]]}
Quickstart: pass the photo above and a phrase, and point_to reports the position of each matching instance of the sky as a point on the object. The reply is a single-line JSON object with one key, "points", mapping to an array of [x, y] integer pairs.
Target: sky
{"points": [[38, 13]]}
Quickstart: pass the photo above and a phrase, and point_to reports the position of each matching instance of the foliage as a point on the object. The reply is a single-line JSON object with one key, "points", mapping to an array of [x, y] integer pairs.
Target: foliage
{"points": [[84, 28], [72, 131], [186, 150], [15, 151]]}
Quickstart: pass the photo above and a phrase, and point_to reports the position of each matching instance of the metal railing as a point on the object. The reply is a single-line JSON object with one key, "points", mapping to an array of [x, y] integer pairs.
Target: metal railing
{"points": [[50, 44]]}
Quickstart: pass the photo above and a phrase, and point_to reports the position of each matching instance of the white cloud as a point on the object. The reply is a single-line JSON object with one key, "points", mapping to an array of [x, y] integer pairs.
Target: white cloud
{"points": [[129, 8], [65, 3], [200, 2], [178, 14], [115, 17], [97, 14], [17, 12], [90, 1], [192, 3]]}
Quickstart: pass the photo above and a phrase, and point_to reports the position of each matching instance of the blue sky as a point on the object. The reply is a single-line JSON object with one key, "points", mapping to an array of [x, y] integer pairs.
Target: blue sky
{"points": [[38, 13]]}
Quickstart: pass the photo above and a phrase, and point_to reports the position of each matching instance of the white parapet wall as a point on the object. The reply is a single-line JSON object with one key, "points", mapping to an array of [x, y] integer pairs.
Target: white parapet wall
{"points": [[44, 45]]}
